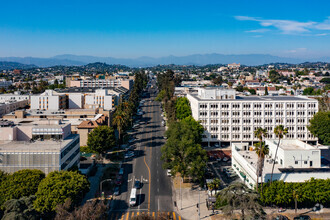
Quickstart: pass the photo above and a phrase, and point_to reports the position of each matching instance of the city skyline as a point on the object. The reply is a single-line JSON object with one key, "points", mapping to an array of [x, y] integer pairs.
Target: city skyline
{"points": [[133, 29]]}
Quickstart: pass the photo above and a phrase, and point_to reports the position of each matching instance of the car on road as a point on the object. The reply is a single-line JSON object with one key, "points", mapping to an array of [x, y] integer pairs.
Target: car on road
{"points": [[168, 172], [119, 180], [137, 184], [116, 191], [163, 123], [132, 198], [129, 155]]}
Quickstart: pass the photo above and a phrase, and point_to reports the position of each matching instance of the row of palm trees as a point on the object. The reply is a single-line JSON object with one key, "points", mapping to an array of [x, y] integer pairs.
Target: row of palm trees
{"points": [[262, 150], [123, 116]]}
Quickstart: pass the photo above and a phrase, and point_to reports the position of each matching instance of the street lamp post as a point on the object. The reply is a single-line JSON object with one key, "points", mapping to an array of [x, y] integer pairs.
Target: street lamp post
{"points": [[102, 183], [199, 201], [181, 193]]}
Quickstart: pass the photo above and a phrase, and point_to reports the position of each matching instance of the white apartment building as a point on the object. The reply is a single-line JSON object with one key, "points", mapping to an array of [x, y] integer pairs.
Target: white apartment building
{"points": [[101, 83], [296, 161], [16, 96], [100, 99], [229, 118], [49, 100], [47, 145]]}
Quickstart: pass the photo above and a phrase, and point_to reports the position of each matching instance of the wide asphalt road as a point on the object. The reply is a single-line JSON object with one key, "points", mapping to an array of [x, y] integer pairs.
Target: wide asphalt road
{"points": [[155, 196]]}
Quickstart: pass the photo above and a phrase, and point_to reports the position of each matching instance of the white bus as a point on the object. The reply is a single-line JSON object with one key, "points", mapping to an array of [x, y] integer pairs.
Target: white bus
{"points": [[132, 198]]}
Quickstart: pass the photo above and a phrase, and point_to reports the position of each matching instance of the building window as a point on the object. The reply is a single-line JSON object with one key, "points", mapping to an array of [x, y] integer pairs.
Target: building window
{"points": [[296, 162], [305, 162]]}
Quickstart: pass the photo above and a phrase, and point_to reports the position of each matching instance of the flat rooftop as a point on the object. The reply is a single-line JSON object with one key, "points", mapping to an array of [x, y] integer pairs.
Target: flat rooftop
{"points": [[288, 144], [251, 157], [36, 146], [257, 98]]}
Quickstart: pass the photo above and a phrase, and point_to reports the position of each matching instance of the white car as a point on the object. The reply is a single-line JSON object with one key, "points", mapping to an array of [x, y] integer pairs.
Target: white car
{"points": [[168, 172]]}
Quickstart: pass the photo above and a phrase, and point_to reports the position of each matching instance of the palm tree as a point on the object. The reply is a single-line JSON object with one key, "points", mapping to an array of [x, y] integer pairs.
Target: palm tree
{"points": [[215, 184], [279, 131], [238, 196], [261, 151], [119, 121], [259, 133]]}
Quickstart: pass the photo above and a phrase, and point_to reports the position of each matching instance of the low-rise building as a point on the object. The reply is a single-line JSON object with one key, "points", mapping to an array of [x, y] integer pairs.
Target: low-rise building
{"points": [[12, 105], [47, 145], [296, 161]]}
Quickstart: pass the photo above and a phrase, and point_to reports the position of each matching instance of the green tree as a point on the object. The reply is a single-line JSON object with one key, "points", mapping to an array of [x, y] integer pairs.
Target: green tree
{"points": [[280, 132], [261, 151], [308, 91], [320, 127], [182, 152], [21, 209], [101, 139], [57, 187], [238, 196], [120, 121], [217, 81], [266, 90], [274, 76], [259, 133], [252, 91], [19, 184], [182, 107], [214, 185]]}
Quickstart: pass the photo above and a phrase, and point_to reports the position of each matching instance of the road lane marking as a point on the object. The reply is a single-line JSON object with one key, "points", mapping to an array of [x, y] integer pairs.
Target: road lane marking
{"points": [[179, 217], [127, 215], [174, 217]]}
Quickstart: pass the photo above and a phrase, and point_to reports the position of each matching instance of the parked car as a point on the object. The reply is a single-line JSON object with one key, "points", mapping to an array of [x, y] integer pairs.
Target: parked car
{"points": [[137, 184], [168, 172], [302, 217], [129, 154], [116, 191], [119, 180]]}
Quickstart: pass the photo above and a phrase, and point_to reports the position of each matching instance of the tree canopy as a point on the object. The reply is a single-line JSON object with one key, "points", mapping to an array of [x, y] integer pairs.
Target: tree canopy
{"points": [[182, 108], [19, 184], [182, 152], [21, 209], [101, 139], [238, 196], [57, 187], [320, 127], [309, 193]]}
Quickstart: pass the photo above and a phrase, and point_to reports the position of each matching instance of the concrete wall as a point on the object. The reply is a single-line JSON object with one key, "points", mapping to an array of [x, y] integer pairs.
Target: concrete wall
{"points": [[76, 101]]}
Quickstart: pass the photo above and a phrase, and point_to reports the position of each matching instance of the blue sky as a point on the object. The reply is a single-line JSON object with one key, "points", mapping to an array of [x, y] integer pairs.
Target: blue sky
{"points": [[131, 29]]}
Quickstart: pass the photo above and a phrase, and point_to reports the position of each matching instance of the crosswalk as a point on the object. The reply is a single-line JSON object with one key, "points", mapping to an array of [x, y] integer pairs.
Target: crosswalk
{"points": [[154, 215]]}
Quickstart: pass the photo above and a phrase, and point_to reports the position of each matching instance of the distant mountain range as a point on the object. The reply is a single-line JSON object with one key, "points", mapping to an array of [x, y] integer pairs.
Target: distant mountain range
{"points": [[4, 65], [196, 59]]}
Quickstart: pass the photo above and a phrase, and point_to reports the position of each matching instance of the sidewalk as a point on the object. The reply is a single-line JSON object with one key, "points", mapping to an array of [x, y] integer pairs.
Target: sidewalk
{"points": [[94, 181], [187, 206]]}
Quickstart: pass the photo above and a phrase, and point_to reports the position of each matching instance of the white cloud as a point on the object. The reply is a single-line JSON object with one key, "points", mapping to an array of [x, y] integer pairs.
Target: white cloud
{"points": [[287, 26], [325, 25], [262, 30], [297, 50]]}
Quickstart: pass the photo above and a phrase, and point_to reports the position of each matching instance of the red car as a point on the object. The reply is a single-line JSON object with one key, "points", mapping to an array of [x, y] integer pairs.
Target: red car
{"points": [[119, 180]]}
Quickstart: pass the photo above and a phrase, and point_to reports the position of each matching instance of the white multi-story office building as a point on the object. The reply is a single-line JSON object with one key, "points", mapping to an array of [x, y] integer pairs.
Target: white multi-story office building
{"points": [[229, 118], [296, 161], [101, 83]]}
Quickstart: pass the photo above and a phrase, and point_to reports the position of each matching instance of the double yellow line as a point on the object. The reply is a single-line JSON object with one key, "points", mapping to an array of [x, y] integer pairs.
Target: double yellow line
{"points": [[145, 148]]}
